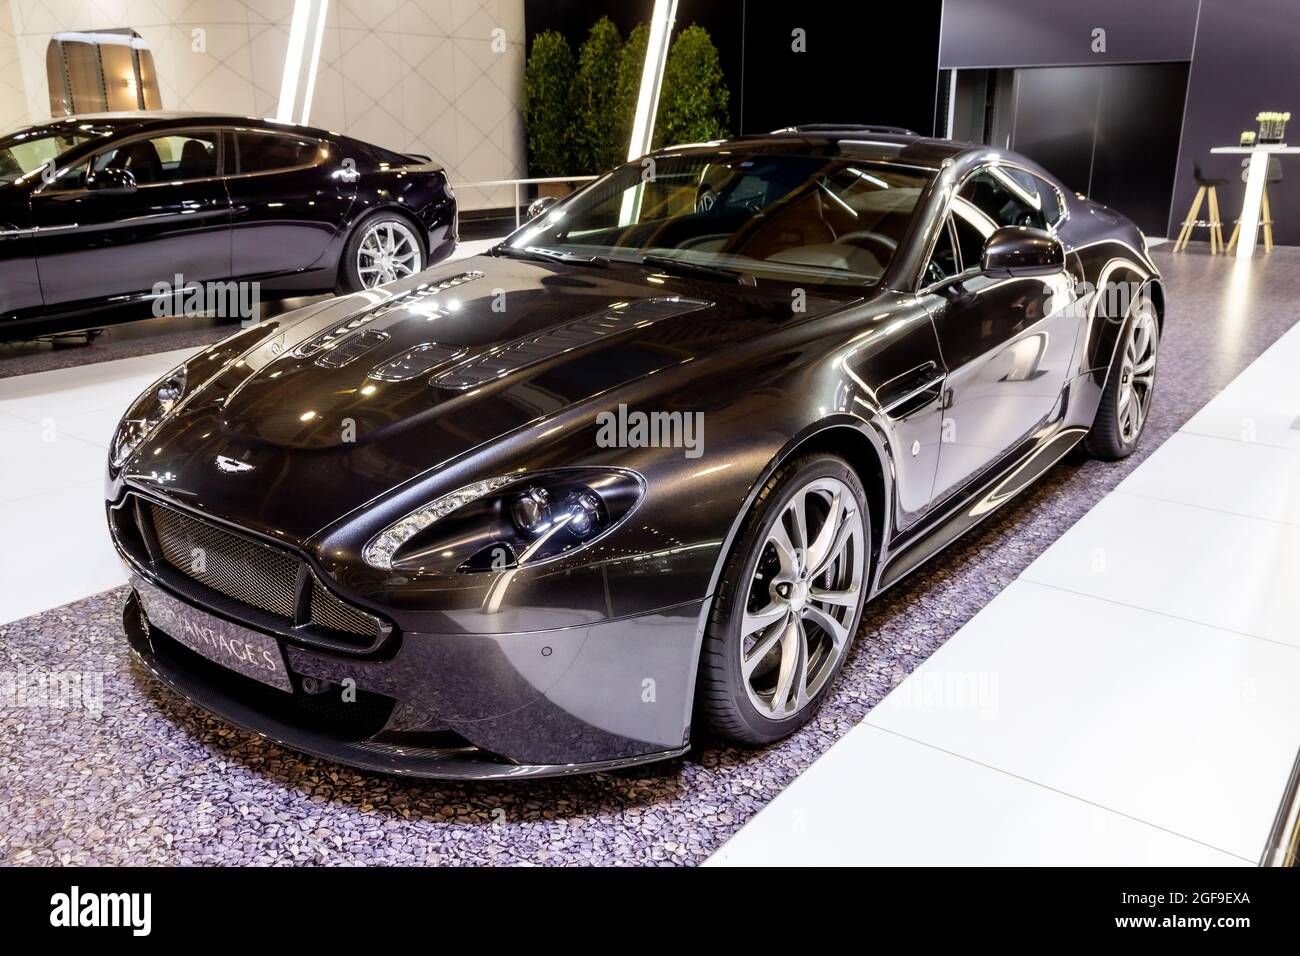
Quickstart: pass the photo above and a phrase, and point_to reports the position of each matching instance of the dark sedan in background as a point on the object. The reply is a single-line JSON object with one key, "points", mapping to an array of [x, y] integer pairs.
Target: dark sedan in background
{"points": [[97, 211], [636, 471]]}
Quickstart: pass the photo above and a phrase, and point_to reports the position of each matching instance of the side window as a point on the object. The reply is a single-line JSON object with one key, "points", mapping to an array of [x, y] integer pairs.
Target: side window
{"points": [[262, 152], [71, 177], [1052, 210], [173, 158], [1002, 199], [943, 260], [970, 238]]}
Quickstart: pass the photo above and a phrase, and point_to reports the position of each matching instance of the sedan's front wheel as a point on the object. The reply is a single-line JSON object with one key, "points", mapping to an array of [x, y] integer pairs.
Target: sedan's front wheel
{"points": [[383, 248], [789, 602]]}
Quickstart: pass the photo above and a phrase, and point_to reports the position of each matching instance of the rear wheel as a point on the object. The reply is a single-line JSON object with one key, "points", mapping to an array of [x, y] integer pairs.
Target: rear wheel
{"points": [[382, 248], [1126, 401], [789, 602]]}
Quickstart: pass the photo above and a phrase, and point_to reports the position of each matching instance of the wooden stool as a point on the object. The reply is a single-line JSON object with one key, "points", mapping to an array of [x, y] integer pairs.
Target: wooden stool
{"points": [[1265, 213], [1206, 187]]}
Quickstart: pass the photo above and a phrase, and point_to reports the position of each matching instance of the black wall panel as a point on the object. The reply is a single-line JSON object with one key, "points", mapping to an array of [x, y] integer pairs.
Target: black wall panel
{"points": [[865, 63], [1055, 121], [1110, 132], [1136, 153]]}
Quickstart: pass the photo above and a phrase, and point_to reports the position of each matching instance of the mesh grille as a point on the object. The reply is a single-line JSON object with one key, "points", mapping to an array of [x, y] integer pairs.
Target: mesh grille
{"points": [[254, 574], [329, 612], [236, 567]]}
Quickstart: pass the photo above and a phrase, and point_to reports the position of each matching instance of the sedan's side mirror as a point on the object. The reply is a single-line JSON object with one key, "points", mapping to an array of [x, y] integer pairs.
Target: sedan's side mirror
{"points": [[540, 205], [1022, 251], [112, 181]]}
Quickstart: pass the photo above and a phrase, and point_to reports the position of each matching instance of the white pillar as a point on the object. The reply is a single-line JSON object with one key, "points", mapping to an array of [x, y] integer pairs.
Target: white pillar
{"points": [[1256, 176], [652, 77], [301, 59]]}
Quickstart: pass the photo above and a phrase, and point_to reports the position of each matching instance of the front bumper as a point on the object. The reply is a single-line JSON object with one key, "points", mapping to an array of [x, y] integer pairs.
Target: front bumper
{"points": [[463, 706]]}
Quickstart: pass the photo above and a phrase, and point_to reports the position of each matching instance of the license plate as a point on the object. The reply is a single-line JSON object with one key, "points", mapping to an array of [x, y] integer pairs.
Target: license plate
{"points": [[239, 649]]}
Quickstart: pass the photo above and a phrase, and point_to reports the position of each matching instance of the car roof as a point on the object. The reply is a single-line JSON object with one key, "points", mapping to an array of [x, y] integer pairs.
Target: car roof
{"points": [[862, 143], [153, 119]]}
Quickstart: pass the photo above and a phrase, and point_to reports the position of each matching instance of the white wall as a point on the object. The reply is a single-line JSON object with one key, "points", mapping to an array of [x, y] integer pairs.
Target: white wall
{"points": [[423, 76], [420, 76], [221, 55], [13, 97]]}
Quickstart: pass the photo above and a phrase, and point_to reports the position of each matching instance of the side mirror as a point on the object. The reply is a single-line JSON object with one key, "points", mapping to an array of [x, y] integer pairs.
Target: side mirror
{"points": [[1022, 251], [112, 181], [540, 205]]}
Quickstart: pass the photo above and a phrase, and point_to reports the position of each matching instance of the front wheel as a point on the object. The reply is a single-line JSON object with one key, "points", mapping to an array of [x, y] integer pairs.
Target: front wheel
{"points": [[789, 602], [383, 248], [1126, 401]]}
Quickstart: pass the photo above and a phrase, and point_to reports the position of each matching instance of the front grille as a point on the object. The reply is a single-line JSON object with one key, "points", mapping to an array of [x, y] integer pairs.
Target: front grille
{"points": [[329, 612], [257, 576], [241, 569]]}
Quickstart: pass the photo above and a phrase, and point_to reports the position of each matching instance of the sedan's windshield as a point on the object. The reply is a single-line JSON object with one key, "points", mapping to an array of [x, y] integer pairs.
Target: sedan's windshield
{"points": [[23, 153], [784, 216]]}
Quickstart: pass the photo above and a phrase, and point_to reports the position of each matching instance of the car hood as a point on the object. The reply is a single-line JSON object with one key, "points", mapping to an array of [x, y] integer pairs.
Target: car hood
{"points": [[356, 397]]}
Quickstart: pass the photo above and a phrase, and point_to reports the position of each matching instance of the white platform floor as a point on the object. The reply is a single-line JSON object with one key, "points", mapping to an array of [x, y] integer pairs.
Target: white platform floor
{"points": [[1130, 699]]}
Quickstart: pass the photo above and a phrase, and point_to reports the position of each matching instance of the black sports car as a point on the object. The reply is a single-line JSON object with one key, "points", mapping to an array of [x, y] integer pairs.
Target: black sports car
{"points": [[107, 211], [636, 470]]}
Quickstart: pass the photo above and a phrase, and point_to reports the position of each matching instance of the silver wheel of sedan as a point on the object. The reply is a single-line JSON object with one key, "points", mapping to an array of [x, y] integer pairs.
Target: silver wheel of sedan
{"points": [[388, 250], [1137, 374], [803, 598]]}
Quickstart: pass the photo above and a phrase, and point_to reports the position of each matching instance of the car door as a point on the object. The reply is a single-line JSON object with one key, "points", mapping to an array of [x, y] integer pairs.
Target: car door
{"points": [[1007, 341], [290, 197], [20, 287], [93, 243]]}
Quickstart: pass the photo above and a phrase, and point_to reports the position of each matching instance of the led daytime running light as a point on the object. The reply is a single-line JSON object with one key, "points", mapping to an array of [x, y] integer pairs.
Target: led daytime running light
{"points": [[379, 552]]}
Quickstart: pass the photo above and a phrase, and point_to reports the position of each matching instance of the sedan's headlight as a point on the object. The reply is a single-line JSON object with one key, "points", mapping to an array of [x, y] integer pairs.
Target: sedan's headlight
{"points": [[507, 522], [145, 414]]}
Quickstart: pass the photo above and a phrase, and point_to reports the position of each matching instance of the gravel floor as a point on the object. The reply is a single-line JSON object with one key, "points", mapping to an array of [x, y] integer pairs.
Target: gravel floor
{"points": [[152, 779]]}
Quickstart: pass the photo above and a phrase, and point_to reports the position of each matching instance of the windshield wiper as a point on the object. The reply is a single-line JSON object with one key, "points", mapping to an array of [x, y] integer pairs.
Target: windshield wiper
{"points": [[537, 253], [684, 268]]}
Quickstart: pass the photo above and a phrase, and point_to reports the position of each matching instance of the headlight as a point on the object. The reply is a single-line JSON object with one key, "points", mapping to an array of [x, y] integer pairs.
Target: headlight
{"points": [[507, 522], [145, 414]]}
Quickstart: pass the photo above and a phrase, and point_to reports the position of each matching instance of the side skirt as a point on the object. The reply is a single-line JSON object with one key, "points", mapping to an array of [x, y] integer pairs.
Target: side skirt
{"points": [[974, 508]]}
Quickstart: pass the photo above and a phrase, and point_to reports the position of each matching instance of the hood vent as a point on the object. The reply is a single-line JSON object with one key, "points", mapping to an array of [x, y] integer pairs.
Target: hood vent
{"points": [[415, 362], [419, 296], [531, 350]]}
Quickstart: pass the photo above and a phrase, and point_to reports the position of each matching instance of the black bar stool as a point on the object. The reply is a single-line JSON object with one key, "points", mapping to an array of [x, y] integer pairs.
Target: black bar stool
{"points": [[1208, 187]]}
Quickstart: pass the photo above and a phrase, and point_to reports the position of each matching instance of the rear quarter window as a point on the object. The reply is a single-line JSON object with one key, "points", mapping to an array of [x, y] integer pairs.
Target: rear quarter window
{"points": [[263, 152]]}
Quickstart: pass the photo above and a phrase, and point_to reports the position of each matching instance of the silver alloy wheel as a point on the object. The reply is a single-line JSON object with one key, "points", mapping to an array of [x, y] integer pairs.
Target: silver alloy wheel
{"points": [[803, 599], [388, 251], [1137, 373]]}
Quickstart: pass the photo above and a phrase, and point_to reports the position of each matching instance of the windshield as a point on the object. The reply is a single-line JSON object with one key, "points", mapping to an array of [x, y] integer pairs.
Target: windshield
{"points": [[22, 153], [784, 216]]}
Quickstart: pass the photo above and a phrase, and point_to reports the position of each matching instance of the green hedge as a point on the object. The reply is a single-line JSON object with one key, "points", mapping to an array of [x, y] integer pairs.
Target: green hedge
{"points": [[548, 85], [578, 114]]}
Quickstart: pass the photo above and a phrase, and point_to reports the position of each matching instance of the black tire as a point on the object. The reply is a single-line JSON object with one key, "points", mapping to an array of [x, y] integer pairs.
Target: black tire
{"points": [[1106, 440], [722, 700], [349, 280]]}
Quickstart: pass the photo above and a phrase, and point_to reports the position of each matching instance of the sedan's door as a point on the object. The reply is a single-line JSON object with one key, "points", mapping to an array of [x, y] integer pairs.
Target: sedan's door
{"points": [[20, 287], [290, 197], [95, 243], [1008, 342]]}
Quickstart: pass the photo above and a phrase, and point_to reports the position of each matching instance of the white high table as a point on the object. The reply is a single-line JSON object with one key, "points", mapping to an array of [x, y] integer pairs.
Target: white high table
{"points": [[1256, 176]]}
